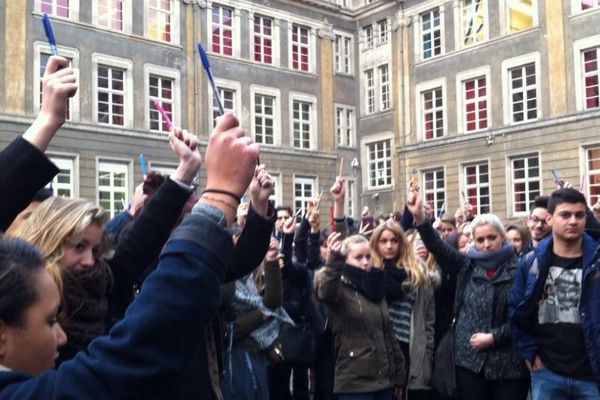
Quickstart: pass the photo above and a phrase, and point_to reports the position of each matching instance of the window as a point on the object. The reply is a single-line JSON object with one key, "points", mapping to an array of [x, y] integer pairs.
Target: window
{"points": [[474, 21], [351, 197], [222, 30], [588, 5], [113, 186], [228, 96], [344, 126], [523, 93], [41, 55], [591, 74], [434, 190], [165, 169], [368, 32], [162, 20], [63, 184], [525, 172], [111, 13], [383, 31], [57, 8], [263, 39], [380, 163], [477, 186], [431, 34], [343, 54], [301, 113], [264, 118], [276, 196], [161, 90], [304, 190], [521, 15], [384, 86], [111, 95], [433, 113], [370, 82], [475, 100], [300, 48], [592, 160]]}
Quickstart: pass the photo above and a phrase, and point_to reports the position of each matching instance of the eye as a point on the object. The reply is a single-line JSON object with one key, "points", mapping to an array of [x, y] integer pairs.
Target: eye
{"points": [[79, 247]]}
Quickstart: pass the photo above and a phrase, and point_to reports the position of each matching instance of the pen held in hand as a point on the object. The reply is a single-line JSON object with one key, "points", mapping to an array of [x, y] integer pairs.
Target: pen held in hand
{"points": [[50, 34], [206, 66], [164, 114]]}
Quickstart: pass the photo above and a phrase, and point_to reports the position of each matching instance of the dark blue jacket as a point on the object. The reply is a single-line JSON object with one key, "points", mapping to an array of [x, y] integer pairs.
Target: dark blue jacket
{"points": [[161, 330], [529, 282]]}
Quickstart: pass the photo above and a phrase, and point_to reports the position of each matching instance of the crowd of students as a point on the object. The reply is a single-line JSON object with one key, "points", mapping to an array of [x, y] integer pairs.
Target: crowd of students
{"points": [[200, 296]]}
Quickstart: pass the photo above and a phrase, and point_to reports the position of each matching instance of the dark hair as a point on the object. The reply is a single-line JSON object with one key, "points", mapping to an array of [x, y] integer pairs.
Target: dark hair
{"points": [[42, 195], [539, 202], [565, 195], [284, 208], [452, 239], [20, 263], [448, 218], [523, 231], [152, 182]]}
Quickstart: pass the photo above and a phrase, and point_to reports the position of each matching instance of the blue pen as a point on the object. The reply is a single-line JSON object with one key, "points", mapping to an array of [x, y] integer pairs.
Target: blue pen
{"points": [[143, 164], [50, 34], [208, 70]]}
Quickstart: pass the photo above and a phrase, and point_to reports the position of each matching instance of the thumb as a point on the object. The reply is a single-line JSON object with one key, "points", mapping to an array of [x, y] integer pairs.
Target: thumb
{"points": [[54, 64]]}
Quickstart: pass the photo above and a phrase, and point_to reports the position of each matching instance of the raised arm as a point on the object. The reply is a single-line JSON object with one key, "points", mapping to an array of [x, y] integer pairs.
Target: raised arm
{"points": [[328, 280]]}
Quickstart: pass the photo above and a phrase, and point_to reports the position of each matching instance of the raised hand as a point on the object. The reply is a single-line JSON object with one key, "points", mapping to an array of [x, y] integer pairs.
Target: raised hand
{"points": [[185, 146], [261, 188], [289, 226], [314, 220], [273, 251], [58, 85], [338, 191], [334, 244], [415, 203]]}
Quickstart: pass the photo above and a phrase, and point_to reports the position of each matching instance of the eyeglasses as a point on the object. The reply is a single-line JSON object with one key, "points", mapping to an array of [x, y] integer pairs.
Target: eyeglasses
{"points": [[534, 221]]}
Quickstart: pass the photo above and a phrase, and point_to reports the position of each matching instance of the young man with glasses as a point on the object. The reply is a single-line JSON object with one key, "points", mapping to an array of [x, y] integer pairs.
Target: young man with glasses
{"points": [[536, 223], [555, 305]]}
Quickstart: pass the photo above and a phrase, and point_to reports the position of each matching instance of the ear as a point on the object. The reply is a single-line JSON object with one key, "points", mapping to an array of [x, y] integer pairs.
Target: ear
{"points": [[549, 219]]}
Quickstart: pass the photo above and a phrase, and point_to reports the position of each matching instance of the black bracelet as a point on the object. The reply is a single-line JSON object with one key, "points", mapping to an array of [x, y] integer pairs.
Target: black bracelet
{"points": [[225, 192]]}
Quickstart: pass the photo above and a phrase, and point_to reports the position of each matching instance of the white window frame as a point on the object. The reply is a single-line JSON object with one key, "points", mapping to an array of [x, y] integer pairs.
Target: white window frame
{"points": [[368, 89], [382, 84], [313, 122], [588, 173], [127, 17], [343, 54], [304, 180], [175, 23], [383, 39], [121, 63], [275, 39], [273, 92], [235, 29], [166, 169], [69, 162], [365, 160], [419, 33], [114, 165], [419, 109], [576, 8], [505, 17], [342, 126], [226, 84], [368, 44], [68, 52], [465, 186], [516, 62], [169, 73], [351, 197], [436, 190], [277, 189], [461, 101], [579, 46], [511, 182], [312, 51], [461, 30], [73, 9]]}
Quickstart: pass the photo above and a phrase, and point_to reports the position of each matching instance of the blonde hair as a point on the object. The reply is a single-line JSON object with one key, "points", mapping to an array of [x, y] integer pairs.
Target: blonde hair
{"points": [[406, 258], [354, 240], [58, 222]]}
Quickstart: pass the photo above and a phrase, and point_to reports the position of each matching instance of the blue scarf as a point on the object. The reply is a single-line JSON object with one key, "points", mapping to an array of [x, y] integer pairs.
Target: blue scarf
{"points": [[491, 260]]}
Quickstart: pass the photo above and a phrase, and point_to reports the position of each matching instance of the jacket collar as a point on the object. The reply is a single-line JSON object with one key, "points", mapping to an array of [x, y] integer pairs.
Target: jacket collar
{"points": [[543, 251]]}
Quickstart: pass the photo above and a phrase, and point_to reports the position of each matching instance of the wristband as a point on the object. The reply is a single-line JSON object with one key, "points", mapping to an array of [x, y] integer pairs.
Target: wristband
{"points": [[225, 192]]}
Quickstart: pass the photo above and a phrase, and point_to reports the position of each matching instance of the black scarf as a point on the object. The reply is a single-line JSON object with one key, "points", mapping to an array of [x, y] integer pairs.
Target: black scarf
{"points": [[85, 293], [370, 284]]}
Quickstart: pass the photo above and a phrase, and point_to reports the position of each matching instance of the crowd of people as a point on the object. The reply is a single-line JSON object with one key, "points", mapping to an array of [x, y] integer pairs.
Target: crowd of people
{"points": [[201, 296]]}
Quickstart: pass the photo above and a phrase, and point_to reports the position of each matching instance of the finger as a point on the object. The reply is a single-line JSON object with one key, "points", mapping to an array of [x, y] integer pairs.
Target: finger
{"points": [[54, 64], [225, 123]]}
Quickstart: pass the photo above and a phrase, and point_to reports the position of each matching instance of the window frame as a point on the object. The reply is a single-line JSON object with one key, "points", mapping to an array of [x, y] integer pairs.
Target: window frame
{"points": [[461, 101], [513, 63], [168, 73], [262, 36], [579, 46], [114, 62], [465, 186], [420, 89], [420, 33], [341, 51], [436, 190], [309, 46], [175, 23], [66, 159], [127, 15], [365, 142], [211, 27], [272, 92], [462, 32], [305, 179], [114, 164], [382, 85], [510, 193], [505, 17], [313, 122], [343, 126], [381, 39], [226, 84], [67, 52], [73, 10]]}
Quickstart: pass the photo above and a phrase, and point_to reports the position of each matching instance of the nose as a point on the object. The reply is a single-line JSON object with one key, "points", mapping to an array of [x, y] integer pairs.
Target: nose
{"points": [[61, 336], [88, 259]]}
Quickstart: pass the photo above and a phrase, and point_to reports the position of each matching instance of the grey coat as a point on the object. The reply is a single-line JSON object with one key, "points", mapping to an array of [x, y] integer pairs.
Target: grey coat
{"points": [[484, 309]]}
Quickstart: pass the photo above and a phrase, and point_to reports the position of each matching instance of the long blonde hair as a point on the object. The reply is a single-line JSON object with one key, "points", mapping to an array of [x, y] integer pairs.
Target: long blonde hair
{"points": [[406, 258], [56, 223]]}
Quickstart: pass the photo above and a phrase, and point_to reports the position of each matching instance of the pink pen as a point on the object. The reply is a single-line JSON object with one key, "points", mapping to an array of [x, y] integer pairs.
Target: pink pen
{"points": [[164, 114]]}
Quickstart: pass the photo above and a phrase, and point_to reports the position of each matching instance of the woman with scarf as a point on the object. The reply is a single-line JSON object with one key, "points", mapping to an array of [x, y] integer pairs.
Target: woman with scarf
{"points": [[369, 361], [96, 290], [409, 293], [487, 367]]}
